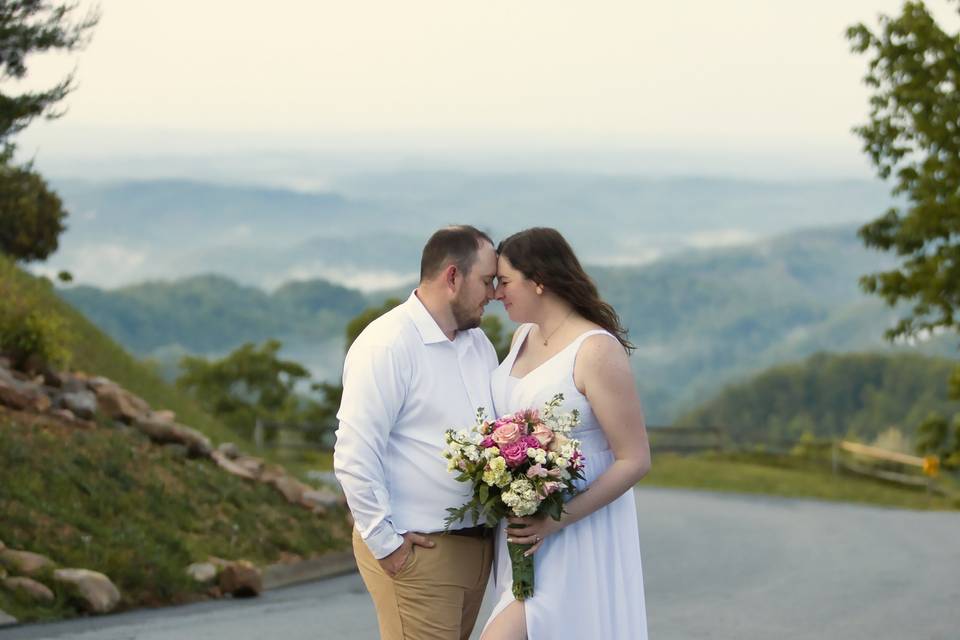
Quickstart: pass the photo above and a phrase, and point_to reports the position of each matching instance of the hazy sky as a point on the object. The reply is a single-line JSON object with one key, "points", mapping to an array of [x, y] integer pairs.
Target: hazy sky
{"points": [[205, 76]]}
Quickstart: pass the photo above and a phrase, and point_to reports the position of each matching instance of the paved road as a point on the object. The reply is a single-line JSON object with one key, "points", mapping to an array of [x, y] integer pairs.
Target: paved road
{"points": [[716, 566]]}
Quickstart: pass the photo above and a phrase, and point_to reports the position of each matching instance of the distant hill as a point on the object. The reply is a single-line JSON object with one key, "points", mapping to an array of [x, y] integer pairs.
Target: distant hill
{"points": [[700, 320], [366, 231], [830, 395]]}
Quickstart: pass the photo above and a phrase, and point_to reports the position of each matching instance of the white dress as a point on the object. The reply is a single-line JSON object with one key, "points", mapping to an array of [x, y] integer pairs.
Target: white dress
{"points": [[588, 581]]}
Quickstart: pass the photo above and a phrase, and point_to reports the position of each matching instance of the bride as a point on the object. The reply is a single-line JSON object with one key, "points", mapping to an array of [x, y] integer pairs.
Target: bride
{"points": [[589, 582]]}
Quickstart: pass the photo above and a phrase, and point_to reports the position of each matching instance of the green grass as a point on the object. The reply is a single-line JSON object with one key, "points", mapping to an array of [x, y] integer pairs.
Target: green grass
{"points": [[109, 500], [788, 476]]}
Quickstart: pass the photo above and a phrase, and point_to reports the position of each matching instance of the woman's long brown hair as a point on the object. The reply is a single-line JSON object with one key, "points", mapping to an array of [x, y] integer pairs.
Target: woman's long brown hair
{"points": [[543, 255]]}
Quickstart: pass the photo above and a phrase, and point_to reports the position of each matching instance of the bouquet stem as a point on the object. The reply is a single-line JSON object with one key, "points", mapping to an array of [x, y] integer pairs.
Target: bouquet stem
{"points": [[522, 570]]}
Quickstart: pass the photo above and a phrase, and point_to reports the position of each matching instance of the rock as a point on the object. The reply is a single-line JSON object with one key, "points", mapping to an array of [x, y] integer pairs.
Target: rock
{"points": [[2, 546], [31, 588], [83, 404], [230, 466], [94, 590], [229, 449], [241, 579], [24, 563], [202, 571], [172, 433], [322, 498], [20, 396], [73, 382], [164, 415], [251, 464], [6, 619], [64, 414], [271, 473], [291, 488], [118, 403]]}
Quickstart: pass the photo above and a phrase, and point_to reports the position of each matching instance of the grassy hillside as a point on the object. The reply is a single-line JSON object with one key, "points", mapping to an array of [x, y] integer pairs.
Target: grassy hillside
{"points": [[111, 501]]}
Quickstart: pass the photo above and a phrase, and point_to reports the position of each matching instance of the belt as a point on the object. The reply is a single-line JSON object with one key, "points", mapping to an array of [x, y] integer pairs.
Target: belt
{"points": [[473, 532]]}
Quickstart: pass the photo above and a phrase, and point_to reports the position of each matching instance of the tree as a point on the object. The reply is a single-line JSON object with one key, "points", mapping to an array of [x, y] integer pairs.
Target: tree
{"points": [[249, 384], [913, 137], [31, 214]]}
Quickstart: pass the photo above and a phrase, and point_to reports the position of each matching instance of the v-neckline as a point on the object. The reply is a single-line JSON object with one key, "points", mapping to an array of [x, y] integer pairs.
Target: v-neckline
{"points": [[534, 370]]}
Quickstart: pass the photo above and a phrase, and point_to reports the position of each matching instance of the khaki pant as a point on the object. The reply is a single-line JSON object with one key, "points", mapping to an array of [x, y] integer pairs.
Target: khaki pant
{"points": [[436, 595]]}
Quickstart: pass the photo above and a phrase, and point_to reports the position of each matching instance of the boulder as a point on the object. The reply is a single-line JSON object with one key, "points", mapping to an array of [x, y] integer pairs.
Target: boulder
{"points": [[251, 464], [291, 488], [118, 403], [21, 395], [30, 588], [320, 498], [164, 415], [202, 572], [229, 449], [230, 466], [241, 579], [93, 590], [82, 404], [171, 433], [24, 563]]}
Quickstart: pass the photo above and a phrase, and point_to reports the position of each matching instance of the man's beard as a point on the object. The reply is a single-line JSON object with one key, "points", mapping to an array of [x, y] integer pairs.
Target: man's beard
{"points": [[463, 317]]}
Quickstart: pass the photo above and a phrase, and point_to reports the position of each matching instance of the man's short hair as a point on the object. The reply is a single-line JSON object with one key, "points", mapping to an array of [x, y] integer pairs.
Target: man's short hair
{"points": [[457, 244]]}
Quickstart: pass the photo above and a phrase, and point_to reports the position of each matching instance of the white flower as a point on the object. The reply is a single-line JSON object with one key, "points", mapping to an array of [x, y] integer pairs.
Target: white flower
{"points": [[537, 455], [491, 453]]}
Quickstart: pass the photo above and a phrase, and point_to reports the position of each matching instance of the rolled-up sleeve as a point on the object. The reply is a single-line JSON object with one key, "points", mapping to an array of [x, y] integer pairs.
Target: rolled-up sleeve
{"points": [[374, 388]]}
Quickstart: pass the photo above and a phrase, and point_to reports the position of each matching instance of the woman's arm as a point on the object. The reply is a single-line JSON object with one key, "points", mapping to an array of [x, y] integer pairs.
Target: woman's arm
{"points": [[602, 372]]}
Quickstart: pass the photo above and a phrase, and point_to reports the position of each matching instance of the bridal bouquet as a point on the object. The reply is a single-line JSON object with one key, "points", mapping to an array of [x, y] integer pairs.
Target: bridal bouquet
{"points": [[522, 464]]}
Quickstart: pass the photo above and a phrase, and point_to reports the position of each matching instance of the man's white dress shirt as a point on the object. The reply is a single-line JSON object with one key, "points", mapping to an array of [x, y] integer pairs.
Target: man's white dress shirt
{"points": [[404, 385]]}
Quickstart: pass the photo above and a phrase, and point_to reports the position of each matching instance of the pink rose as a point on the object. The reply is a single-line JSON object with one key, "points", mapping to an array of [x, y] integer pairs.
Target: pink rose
{"points": [[537, 470], [488, 442], [531, 442], [506, 433], [543, 434], [549, 487], [514, 453]]}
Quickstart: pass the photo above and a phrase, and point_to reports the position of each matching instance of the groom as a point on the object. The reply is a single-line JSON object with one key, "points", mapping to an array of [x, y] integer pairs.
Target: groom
{"points": [[418, 370]]}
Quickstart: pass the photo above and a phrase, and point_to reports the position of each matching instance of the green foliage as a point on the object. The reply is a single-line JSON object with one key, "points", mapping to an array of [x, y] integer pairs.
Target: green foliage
{"points": [[914, 73], [828, 396], [31, 214], [936, 436], [28, 27], [27, 327], [493, 327], [249, 384], [356, 326]]}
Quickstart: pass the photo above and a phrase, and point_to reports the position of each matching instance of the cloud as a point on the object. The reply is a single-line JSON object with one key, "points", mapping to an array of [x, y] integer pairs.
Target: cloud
{"points": [[720, 238], [103, 265]]}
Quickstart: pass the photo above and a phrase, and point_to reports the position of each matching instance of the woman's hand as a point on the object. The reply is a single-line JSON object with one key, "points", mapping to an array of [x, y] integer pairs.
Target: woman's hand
{"points": [[531, 530]]}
